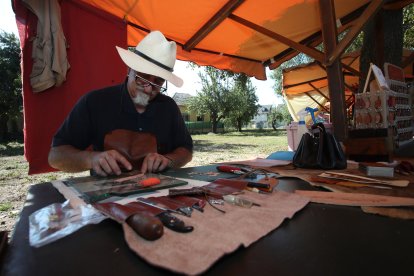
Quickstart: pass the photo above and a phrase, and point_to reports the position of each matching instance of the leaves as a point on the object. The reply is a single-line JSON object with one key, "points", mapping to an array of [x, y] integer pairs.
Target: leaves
{"points": [[225, 95], [408, 26], [10, 76], [244, 102], [279, 116]]}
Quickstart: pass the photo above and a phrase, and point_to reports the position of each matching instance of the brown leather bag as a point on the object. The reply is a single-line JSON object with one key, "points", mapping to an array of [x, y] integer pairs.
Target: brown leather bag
{"points": [[134, 146]]}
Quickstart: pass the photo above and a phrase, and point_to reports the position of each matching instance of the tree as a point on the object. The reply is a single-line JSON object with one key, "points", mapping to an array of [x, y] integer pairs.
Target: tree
{"points": [[383, 41], [225, 95], [408, 26], [279, 114], [10, 81], [214, 97], [243, 102]]}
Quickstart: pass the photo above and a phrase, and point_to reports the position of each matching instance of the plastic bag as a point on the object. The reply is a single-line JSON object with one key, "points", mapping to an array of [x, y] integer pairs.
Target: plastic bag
{"points": [[59, 220]]}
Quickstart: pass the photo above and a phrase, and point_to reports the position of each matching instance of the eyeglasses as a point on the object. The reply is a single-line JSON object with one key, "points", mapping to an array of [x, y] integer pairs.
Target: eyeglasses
{"points": [[142, 82]]}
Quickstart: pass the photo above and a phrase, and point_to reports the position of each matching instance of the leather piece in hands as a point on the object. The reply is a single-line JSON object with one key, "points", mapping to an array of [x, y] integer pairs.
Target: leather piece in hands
{"points": [[131, 144]]}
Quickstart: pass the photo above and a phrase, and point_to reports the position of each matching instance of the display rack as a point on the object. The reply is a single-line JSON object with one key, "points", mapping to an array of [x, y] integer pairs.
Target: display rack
{"points": [[383, 118], [387, 106], [402, 126]]}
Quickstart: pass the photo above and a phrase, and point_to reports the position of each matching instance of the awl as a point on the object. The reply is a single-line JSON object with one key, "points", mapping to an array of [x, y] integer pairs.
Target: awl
{"points": [[147, 202], [167, 219], [230, 169], [235, 170]]}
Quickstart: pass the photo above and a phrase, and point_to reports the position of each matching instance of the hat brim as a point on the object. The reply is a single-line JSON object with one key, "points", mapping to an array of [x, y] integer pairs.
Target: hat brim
{"points": [[142, 65]]}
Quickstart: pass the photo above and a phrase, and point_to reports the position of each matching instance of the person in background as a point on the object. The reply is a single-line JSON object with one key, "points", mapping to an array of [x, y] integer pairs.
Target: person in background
{"points": [[135, 105]]}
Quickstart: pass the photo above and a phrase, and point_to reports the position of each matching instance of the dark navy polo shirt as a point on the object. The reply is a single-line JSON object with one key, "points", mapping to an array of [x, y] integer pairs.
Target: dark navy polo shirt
{"points": [[104, 110]]}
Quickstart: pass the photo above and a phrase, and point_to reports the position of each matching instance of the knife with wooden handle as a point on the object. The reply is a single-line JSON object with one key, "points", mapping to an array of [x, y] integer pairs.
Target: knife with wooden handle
{"points": [[143, 223], [146, 225]]}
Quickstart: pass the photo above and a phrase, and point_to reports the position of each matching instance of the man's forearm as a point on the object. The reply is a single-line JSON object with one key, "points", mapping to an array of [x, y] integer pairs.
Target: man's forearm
{"points": [[180, 157], [70, 159]]}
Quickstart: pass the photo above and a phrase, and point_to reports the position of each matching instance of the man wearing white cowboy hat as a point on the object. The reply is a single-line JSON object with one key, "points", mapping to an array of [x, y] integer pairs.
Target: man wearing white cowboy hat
{"points": [[136, 105]]}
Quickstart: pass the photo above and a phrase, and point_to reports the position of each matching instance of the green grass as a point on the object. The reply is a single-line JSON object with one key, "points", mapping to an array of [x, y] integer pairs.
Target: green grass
{"points": [[4, 207], [211, 148], [208, 148]]}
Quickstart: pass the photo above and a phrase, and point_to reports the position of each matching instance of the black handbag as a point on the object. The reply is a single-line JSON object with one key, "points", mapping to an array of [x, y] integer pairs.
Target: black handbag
{"points": [[319, 150]]}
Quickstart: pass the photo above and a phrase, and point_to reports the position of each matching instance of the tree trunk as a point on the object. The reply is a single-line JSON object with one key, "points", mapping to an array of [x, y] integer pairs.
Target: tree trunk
{"points": [[383, 42], [214, 123], [274, 125], [3, 127], [239, 126], [13, 126]]}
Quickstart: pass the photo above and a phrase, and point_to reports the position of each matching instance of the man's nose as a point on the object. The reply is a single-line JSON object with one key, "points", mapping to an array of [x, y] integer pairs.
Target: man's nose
{"points": [[148, 88]]}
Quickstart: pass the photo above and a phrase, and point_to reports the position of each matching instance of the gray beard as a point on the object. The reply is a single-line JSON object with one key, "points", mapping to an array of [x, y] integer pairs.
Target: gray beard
{"points": [[141, 99]]}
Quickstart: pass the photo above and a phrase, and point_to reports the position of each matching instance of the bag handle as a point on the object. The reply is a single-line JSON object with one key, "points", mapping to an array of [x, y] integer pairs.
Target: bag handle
{"points": [[320, 126]]}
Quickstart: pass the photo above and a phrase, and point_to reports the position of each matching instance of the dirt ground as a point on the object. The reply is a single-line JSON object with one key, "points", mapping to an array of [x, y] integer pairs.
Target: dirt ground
{"points": [[14, 184]]}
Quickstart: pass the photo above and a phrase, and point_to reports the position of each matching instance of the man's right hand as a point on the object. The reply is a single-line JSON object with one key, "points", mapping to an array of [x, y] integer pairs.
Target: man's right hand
{"points": [[108, 162], [70, 159]]}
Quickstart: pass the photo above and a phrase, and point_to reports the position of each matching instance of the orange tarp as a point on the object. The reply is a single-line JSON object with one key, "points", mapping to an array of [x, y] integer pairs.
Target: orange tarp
{"points": [[297, 80], [230, 45]]}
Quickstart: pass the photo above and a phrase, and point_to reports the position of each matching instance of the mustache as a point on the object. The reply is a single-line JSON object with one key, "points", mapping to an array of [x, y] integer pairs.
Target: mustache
{"points": [[152, 93]]}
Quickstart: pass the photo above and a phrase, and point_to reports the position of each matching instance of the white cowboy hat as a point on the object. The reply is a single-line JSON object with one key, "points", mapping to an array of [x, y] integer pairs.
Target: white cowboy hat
{"points": [[154, 55]]}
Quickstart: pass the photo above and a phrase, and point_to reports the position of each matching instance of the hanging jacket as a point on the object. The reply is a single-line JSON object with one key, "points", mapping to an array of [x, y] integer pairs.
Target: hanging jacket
{"points": [[50, 62]]}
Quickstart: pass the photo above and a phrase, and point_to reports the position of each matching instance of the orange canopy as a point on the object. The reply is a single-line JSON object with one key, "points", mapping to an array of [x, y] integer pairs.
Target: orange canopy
{"points": [[239, 35], [306, 78], [307, 85]]}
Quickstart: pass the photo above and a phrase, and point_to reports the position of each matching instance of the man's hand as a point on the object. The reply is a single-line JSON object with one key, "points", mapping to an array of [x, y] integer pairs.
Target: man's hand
{"points": [[154, 162], [107, 162]]}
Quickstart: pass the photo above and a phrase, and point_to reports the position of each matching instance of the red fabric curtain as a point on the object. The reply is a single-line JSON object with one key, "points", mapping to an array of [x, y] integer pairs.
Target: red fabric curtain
{"points": [[91, 36]]}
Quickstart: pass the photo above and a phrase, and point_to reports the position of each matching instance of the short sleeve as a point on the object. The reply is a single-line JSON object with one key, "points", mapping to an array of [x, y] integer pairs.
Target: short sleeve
{"points": [[76, 130]]}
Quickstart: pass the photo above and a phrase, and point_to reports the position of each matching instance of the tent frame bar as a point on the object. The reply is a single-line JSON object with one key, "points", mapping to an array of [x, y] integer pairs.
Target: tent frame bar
{"points": [[211, 24]]}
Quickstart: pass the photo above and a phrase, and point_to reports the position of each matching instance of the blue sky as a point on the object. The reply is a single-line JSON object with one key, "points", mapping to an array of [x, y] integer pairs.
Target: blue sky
{"points": [[264, 89]]}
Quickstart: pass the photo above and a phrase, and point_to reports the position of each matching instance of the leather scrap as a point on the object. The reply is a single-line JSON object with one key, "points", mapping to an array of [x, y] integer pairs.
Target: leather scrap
{"points": [[401, 213], [216, 234], [355, 199]]}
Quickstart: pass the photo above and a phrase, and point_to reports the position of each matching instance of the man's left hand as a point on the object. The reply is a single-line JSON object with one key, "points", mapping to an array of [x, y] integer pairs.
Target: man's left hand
{"points": [[154, 162]]}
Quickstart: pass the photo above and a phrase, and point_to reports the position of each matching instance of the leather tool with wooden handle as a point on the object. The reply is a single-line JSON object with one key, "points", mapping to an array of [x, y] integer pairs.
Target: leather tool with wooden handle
{"points": [[361, 179]]}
